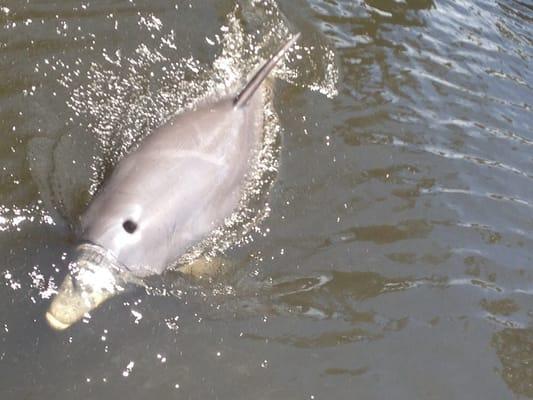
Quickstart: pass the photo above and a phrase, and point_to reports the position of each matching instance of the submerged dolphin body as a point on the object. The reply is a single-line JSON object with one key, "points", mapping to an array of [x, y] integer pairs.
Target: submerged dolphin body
{"points": [[175, 188]]}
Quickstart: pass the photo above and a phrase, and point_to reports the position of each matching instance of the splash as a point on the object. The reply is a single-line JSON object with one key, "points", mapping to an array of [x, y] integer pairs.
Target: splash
{"points": [[12, 218]]}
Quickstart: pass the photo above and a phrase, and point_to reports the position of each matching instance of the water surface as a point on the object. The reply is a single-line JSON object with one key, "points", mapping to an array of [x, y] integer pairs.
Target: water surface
{"points": [[393, 257]]}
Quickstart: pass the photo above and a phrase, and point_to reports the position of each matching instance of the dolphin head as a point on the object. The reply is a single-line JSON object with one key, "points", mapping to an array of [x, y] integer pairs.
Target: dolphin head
{"points": [[94, 276]]}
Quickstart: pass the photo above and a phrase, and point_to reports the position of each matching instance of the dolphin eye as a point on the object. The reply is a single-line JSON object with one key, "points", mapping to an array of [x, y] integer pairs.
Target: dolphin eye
{"points": [[129, 226]]}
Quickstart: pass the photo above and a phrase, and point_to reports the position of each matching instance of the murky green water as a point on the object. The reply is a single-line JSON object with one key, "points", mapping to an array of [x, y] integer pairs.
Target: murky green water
{"points": [[393, 259]]}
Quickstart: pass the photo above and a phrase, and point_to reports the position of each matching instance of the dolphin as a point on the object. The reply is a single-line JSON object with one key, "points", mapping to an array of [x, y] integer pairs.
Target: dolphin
{"points": [[177, 186]]}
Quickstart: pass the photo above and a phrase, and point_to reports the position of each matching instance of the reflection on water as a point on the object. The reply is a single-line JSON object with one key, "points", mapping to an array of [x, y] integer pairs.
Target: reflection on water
{"points": [[388, 253]]}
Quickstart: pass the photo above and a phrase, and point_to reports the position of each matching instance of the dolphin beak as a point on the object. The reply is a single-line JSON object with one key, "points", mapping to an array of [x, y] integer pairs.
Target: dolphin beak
{"points": [[73, 301], [91, 281]]}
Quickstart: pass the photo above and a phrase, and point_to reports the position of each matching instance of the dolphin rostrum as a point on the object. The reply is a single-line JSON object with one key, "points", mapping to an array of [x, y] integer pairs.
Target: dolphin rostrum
{"points": [[181, 182]]}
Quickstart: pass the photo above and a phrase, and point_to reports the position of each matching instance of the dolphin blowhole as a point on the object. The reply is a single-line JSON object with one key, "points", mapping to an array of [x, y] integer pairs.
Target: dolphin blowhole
{"points": [[130, 226]]}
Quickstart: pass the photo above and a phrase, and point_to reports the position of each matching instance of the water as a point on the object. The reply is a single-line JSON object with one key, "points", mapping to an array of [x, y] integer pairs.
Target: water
{"points": [[392, 259]]}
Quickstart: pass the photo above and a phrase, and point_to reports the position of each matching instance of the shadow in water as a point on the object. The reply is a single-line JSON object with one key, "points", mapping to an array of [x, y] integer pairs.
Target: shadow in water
{"points": [[514, 348]]}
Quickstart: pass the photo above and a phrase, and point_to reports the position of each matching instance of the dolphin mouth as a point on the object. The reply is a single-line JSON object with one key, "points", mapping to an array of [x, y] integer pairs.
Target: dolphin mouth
{"points": [[95, 276]]}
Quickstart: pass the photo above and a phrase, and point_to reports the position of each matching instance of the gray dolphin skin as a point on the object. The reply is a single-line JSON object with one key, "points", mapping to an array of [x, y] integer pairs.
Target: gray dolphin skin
{"points": [[181, 182]]}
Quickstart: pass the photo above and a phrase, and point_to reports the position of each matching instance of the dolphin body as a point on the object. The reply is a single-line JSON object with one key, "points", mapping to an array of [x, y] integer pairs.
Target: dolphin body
{"points": [[169, 193]]}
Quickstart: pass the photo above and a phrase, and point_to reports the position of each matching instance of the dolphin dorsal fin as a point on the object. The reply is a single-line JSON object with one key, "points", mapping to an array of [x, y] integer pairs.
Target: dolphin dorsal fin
{"points": [[245, 94]]}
